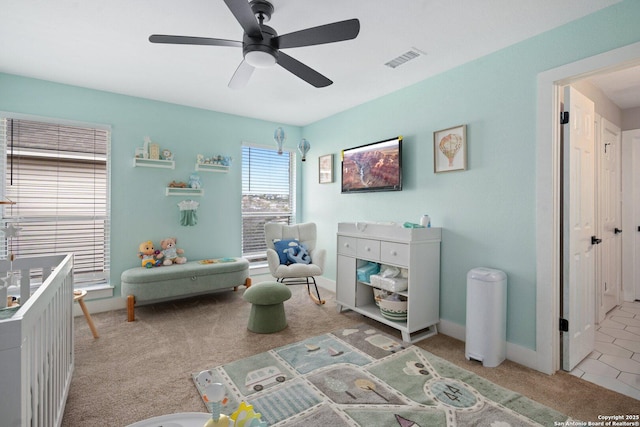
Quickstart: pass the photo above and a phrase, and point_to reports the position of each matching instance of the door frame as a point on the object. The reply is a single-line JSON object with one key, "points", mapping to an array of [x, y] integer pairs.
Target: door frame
{"points": [[548, 183]]}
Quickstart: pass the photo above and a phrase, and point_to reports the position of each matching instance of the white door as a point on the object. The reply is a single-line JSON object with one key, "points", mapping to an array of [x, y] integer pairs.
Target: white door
{"points": [[578, 293], [635, 228], [631, 214], [609, 219]]}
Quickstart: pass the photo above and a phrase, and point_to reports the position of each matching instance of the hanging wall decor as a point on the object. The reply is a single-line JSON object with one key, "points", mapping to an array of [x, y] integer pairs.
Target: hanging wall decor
{"points": [[279, 136], [303, 147], [188, 214]]}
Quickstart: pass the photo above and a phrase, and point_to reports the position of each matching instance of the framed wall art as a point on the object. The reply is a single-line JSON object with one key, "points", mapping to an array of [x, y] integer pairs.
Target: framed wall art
{"points": [[450, 149], [325, 169]]}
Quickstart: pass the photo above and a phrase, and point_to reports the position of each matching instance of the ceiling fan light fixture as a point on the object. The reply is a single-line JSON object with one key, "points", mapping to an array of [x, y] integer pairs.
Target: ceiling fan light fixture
{"points": [[260, 59], [261, 44]]}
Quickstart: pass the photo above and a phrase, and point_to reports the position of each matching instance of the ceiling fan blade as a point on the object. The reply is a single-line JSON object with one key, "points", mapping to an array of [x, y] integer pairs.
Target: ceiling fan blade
{"points": [[244, 15], [241, 76], [307, 74], [329, 33], [161, 38]]}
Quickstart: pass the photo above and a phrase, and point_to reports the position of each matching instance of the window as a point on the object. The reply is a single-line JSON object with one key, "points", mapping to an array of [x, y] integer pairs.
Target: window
{"points": [[268, 195], [58, 177]]}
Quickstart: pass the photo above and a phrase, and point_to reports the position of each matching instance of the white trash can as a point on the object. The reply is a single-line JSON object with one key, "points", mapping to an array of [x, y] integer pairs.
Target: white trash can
{"points": [[486, 330]]}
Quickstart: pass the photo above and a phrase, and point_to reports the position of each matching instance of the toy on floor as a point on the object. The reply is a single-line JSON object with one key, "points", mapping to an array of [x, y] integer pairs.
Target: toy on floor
{"points": [[214, 394], [170, 253], [147, 253], [245, 416]]}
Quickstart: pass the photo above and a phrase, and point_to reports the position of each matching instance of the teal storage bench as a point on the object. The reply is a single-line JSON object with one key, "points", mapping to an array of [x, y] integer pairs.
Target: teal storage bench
{"points": [[150, 285]]}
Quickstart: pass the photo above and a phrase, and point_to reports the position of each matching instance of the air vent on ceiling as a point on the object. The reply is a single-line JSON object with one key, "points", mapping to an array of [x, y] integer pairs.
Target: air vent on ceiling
{"points": [[404, 58]]}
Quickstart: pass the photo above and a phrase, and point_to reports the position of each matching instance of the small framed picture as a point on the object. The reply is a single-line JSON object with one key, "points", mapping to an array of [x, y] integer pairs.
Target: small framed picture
{"points": [[450, 149], [325, 169]]}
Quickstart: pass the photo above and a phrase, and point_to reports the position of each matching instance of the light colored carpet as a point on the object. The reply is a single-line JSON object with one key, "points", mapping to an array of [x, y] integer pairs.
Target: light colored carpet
{"points": [[142, 369]]}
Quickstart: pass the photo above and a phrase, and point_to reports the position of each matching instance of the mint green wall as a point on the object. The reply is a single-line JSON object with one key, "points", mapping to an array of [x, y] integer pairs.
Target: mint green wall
{"points": [[139, 209], [487, 212]]}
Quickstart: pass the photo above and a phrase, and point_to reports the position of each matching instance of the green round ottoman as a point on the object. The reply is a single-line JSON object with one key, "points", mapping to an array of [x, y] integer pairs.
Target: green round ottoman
{"points": [[267, 308]]}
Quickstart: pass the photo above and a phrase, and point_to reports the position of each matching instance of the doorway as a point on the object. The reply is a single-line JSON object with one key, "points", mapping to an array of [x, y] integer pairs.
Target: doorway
{"points": [[548, 195]]}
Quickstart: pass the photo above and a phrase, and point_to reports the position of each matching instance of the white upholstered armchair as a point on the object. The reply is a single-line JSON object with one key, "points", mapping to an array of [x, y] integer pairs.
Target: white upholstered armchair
{"points": [[297, 272]]}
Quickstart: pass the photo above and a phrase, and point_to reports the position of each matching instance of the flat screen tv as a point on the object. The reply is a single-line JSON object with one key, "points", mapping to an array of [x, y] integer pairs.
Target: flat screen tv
{"points": [[373, 167]]}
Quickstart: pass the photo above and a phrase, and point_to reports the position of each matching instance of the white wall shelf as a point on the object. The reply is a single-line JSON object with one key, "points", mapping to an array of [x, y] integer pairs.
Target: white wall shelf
{"points": [[417, 250], [176, 191], [151, 163], [208, 167]]}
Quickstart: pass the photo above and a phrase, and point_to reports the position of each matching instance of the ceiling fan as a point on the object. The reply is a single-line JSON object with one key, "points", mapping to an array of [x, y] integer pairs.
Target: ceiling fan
{"points": [[261, 44]]}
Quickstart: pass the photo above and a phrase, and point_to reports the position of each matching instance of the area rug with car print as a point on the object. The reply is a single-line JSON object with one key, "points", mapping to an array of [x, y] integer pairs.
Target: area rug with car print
{"points": [[361, 376]]}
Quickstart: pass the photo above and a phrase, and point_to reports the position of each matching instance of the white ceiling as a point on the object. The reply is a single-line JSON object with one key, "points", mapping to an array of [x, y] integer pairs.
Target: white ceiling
{"points": [[104, 45], [621, 87]]}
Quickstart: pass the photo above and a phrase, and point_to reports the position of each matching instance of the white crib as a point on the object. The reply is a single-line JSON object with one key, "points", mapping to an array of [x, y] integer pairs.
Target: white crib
{"points": [[36, 345]]}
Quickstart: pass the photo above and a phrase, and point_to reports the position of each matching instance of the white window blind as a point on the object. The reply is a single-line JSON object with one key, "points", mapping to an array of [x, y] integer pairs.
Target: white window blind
{"points": [[58, 177], [268, 195]]}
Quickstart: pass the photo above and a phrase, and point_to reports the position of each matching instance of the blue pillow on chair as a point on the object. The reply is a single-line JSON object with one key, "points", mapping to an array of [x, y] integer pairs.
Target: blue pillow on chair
{"points": [[281, 245], [298, 254]]}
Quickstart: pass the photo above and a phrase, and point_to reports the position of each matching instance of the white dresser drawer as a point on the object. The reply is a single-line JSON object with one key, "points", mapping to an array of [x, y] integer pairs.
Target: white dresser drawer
{"points": [[347, 245], [394, 253], [368, 249]]}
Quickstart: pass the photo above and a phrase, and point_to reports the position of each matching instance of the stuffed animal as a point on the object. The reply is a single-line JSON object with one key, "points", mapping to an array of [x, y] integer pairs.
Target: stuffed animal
{"points": [[170, 253], [298, 254], [194, 181], [147, 253]]}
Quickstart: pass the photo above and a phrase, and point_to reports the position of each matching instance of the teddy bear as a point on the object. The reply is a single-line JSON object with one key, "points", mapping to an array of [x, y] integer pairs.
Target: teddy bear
{"points": [[170, 253], [195, 181], [147, 253]]}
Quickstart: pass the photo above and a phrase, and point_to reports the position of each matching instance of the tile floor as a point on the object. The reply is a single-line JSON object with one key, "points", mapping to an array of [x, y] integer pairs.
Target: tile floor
{"points": [[615, 362]]}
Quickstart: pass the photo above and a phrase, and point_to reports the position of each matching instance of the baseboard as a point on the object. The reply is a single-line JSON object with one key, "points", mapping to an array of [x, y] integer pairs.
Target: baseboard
{"points": [[516, 353], [522, 355], [327, 284], [101, 305], [451, 329]]}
